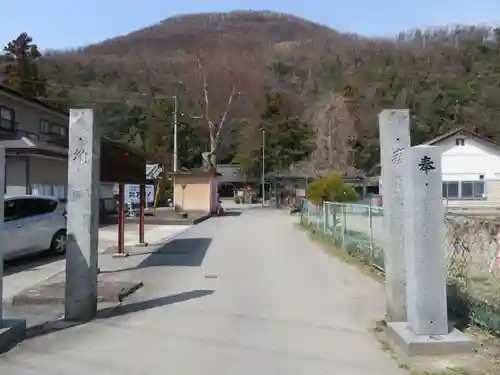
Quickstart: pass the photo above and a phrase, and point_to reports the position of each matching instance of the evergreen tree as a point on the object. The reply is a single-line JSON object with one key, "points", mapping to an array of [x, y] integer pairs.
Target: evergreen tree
{"points": [[21, 70]]}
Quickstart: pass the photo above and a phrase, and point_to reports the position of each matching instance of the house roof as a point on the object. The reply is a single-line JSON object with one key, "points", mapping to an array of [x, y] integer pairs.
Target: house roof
{"points": [[26, 98], [465, 132], [195, 172], [27, 144]]}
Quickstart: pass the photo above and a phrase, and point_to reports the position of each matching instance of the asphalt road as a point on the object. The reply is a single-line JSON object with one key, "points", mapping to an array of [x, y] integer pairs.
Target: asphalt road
{"points": [[27, 271], [241, 294]]}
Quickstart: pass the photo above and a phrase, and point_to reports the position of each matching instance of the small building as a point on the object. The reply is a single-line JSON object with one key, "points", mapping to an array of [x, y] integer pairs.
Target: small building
{"points": [[196, 190]]}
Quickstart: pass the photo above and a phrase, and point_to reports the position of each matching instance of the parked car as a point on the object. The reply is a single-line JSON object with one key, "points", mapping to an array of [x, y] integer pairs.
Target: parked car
{"points": [[33, 224]]}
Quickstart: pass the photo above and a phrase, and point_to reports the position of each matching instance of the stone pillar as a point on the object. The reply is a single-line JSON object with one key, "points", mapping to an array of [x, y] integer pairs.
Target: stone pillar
{"points": [[394, 129], [83, 216], [425, 241], [426, 331]]}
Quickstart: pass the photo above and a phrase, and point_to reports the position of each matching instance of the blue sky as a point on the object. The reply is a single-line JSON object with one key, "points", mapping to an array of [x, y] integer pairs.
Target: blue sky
{"points": [[57, 24]]}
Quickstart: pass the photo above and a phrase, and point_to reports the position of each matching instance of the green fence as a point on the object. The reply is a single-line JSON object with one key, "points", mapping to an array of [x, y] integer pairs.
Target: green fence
{"points": [[471, 250], [355, 227]]}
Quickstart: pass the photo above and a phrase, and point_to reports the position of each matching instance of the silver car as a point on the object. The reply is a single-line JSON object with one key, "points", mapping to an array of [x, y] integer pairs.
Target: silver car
{"points": [[33, 224]]}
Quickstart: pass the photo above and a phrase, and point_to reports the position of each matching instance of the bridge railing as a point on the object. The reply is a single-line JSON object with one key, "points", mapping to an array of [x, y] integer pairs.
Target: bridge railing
{"points": [[472, 249]]}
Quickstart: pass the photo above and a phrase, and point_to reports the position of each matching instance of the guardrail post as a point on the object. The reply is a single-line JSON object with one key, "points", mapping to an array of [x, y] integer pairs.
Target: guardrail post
{"points": [[325, 217], [370, 231], [307, 213], [344, 223]]}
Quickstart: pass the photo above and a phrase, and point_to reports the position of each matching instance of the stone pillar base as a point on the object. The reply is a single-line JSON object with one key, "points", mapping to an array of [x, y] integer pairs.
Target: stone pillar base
{"points": [[411, 344]]}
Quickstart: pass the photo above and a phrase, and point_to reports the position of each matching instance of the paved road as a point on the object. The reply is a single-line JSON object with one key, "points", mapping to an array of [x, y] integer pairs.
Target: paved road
{"points": [[236, 295], [28, 271]]}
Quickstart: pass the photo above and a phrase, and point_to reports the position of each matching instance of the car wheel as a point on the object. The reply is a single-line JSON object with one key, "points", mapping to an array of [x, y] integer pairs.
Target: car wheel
{"points": [[58, 244]]}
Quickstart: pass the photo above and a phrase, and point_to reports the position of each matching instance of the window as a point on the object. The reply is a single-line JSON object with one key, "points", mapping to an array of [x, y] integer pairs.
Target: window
{"points": [[61, 130], [450, 189], [16, 209], [467, 189], [463, 189], [472, 189], [47, 127], [478, 189], [7, 117], [44, 126], [42, 206], [11, 211], [460, 142], [6, 113]]}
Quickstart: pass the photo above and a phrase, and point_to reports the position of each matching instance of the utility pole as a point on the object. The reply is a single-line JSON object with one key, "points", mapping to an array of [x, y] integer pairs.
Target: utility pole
{"points": [[263, 166], [175, 133], [174, 153]]}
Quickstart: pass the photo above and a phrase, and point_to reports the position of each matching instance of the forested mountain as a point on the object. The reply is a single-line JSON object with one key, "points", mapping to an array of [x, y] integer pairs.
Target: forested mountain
{"points": [[337, 82]]}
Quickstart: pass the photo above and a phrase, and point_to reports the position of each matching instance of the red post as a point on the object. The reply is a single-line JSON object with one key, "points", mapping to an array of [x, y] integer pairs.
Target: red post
{"points": [[121, 219], [142, 203]]}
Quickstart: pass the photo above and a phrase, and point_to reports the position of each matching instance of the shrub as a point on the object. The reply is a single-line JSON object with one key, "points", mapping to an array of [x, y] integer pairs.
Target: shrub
{"points": [[237, 200], [330, 188]]}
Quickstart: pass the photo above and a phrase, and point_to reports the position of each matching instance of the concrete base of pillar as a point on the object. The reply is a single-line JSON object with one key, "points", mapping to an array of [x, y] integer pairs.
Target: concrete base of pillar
{"points": [[120, 255], [142, 244], [411, 344], [12, 331]]}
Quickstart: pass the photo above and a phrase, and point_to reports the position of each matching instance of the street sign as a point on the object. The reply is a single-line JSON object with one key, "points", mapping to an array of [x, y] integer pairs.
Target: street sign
{"points": [[132, 194]]}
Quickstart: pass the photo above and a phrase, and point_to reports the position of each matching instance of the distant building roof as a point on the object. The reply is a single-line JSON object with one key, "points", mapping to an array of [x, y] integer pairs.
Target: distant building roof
{"points": [[465, 132], [41, 103]]}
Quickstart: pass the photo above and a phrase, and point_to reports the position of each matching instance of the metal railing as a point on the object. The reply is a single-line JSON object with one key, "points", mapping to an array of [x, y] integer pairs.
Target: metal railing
{"points": [[355, 227], [472, 248]]}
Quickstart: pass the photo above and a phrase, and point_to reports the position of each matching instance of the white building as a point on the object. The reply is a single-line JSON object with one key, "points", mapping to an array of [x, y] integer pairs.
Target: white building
{"points": [[471, 169]]}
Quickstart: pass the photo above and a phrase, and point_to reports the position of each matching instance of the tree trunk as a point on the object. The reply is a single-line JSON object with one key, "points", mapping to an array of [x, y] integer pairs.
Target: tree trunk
{"points": [[213, 152]]}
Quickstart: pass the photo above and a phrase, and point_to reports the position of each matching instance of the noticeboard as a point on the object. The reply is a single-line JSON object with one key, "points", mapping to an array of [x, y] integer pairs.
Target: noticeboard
{"points": [[132, 194]]}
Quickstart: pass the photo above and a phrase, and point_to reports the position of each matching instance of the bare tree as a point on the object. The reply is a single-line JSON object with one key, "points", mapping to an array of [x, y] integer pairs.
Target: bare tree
{"points": [[214, 128], [336, 128]]}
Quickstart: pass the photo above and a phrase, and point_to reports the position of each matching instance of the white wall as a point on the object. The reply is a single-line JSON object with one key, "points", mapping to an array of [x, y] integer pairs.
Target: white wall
{"points": [[468, 162]]}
